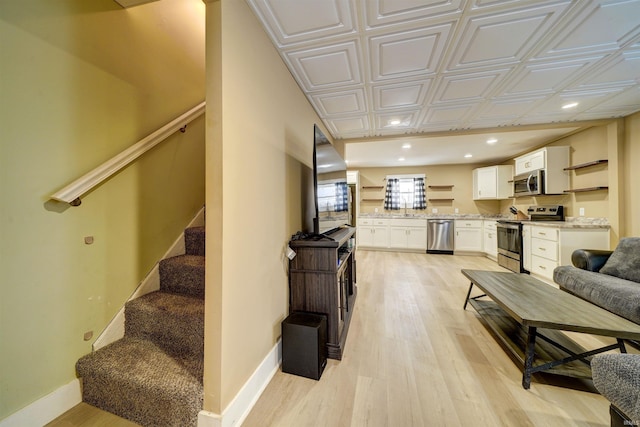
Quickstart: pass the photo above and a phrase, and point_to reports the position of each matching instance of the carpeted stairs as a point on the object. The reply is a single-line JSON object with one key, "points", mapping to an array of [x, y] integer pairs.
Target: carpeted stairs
{"points": [[153, 376]]}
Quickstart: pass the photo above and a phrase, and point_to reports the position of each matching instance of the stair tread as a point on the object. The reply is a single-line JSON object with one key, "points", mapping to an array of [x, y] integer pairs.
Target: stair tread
{"points": [[170, 302], [183, 274], [188, 259], [172, 321], [140, 360], [137, 380]]}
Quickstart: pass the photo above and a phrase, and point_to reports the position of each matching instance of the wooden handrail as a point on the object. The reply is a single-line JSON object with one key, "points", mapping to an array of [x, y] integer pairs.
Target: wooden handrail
{"points": [[72, 192]]}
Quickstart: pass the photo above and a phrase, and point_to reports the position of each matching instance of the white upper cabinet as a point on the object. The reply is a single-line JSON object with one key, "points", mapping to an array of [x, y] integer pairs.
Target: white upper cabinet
{"points": [[553, 160], [493, 183], [530, 162]]}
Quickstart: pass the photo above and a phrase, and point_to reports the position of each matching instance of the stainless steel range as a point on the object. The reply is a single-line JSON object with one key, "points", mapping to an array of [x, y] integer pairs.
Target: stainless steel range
{"points": [[510, 235]]}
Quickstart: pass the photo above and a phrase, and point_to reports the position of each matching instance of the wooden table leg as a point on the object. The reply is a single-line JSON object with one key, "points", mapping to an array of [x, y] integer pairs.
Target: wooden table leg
{"points": [[528, 357], [466, 300]]}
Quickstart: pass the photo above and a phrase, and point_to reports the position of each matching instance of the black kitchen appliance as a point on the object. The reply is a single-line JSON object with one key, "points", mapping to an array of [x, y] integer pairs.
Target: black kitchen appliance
{"points": [[510, 234]]}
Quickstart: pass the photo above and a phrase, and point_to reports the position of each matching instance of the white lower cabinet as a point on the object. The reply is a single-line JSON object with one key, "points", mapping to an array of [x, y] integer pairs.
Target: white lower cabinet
{"points": [[408, 233], [549, 247], [468, 235], [373, 233], [393, 233], [490, 241]]}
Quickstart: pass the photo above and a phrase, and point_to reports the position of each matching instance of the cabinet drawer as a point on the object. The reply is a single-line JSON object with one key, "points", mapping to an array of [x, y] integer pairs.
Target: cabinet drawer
{"points": [[544, 248], [402, 222], [468, 223], [545, 233], [543, 266], [490, 226], [373, 221]]}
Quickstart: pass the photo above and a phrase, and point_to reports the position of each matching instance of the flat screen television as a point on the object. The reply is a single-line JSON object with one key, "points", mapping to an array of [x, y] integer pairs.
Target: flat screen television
{"points": [[331, 192]]}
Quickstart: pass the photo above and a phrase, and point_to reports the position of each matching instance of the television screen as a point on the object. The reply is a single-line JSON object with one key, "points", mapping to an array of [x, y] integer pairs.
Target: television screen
{"points": [[330, 185]]}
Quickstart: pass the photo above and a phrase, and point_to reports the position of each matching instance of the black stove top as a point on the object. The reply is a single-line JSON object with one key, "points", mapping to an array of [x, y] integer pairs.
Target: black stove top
{"points": [[540, 213]]}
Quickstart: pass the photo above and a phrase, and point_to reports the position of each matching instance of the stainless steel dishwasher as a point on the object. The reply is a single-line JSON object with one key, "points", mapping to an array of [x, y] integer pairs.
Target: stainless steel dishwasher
{"points": [[440, 236]]}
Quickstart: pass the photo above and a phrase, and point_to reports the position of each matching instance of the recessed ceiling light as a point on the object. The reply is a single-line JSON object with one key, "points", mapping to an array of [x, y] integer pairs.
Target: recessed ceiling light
{"points": [[406, 146], [401, 159], [491, 141], [394, 122], [468, 155], [570, 105]]}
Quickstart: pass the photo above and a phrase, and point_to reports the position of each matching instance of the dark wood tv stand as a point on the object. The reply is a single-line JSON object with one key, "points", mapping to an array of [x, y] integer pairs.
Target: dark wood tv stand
{"points": [[322, 279]]}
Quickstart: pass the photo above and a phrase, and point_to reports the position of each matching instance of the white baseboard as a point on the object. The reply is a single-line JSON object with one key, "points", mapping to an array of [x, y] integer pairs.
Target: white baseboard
{"points": [[239, 408], [46, 409], [115, 329], [56, 403]]}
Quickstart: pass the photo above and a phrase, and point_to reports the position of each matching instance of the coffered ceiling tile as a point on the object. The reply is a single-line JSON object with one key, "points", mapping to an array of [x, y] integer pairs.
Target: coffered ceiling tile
{"points": [[502, 38], [346, 102], [601, 26], [399, 95], [505, 110], [626, 101], [445, 118], [408, 53], [546, 77], [295, 21], [393, 122], [551, 111], [323, 67], [350, 126], [468, 87], [383, 12], [621, 70]]}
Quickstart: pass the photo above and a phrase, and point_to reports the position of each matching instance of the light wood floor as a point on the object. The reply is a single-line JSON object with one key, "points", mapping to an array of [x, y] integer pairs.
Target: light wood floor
{"points": [[413, 357]]}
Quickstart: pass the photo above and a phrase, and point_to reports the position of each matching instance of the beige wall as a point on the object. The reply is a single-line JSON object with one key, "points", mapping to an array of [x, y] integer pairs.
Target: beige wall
{"points": [[618, 141], [631, 176], [80, 81], [460, 176], [259, 142]]}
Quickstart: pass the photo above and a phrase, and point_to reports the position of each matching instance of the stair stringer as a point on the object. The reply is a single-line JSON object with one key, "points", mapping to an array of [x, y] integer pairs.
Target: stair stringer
{"points": [[115, 329]]}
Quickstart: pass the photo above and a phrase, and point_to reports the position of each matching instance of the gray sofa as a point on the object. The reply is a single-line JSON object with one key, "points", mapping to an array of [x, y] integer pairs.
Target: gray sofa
{"points": [[611, 280]]}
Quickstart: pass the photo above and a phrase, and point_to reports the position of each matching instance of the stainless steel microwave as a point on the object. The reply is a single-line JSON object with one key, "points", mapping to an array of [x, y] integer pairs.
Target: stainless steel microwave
{"points": [[529, 184]]}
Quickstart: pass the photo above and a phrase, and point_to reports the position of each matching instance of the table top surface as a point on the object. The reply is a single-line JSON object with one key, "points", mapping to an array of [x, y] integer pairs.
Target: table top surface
{"points": [[534, 303]]}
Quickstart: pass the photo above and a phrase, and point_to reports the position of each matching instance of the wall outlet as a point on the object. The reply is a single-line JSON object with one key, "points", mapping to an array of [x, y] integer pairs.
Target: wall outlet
{"points": [[434, 210], [581, 211], [456, 210], [376, 210]]}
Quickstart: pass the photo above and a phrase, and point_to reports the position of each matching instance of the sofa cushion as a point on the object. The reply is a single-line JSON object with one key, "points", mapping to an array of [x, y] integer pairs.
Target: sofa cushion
{"points": [[617, 377], [624, 262], [619, 296]]}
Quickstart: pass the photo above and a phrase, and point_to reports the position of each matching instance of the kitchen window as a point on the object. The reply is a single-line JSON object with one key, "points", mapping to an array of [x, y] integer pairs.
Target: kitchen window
{"points": [[405, 192]]}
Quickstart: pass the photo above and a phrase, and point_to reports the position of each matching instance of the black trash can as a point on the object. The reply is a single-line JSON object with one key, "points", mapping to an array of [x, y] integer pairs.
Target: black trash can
{"points": [[304, 344]]}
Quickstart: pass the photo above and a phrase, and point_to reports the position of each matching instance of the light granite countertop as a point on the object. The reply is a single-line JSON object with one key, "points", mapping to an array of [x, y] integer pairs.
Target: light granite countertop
{"points": [[574, 222], [570, 222]]}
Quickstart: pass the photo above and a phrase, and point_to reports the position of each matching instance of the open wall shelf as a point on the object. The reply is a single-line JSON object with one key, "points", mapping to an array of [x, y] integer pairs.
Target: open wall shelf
{"points": [[586, 165], [582, 190]]}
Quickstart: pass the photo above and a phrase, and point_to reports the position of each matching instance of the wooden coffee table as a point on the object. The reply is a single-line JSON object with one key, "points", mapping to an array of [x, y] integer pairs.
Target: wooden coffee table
{"points": [[528, 315]]}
